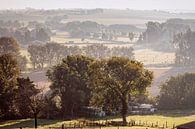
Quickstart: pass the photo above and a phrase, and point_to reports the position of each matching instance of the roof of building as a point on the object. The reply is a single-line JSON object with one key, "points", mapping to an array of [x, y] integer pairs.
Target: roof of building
{"points": [[146, 106]]}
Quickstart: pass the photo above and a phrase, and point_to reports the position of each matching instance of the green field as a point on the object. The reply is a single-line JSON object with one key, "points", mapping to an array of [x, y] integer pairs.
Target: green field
{"points": [[175, 118]]}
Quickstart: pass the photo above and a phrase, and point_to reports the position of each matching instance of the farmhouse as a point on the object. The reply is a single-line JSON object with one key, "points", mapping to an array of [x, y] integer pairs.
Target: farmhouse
{"points": [[190, 125]]}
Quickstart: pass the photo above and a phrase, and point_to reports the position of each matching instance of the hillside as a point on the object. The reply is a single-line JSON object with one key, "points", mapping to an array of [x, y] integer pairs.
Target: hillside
{"points": [[160, 75]]}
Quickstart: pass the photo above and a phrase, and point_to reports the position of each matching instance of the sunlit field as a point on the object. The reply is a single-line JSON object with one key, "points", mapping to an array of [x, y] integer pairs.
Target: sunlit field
{"points": [[151, 57], [63, 39]]}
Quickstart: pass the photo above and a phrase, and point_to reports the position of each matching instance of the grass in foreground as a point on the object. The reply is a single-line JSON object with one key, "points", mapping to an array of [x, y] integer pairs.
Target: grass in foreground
{"points": [[159, 119]]}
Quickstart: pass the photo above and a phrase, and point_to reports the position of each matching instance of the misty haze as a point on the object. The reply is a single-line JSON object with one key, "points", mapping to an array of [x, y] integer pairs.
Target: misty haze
{"points": [[92, 64]]}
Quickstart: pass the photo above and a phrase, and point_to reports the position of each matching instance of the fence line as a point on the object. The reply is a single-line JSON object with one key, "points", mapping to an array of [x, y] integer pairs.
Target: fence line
{"points": [[117, 124]]}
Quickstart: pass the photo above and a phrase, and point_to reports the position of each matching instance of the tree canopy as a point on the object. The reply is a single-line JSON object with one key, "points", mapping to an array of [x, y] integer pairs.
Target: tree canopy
{"points": [[178, 92], [109, 84], [8, 45], [69, 82], [184, 43], [9, 72], [50, 54], [116, 80]]}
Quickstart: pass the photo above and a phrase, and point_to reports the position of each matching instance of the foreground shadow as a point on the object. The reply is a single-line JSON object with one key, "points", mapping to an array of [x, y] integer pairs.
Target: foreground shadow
{"points": [[177, 113], [28, 123]]}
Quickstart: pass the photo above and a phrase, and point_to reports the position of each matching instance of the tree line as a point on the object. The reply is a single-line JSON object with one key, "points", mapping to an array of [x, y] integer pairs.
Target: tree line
{"points": [[176, 35], [79, 81], [49, 54], [11, 24], [90, 29], [76, 82], [163, 32], [25, 35]]}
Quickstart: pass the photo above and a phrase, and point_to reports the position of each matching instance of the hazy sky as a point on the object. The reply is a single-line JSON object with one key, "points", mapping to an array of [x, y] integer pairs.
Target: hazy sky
{"points": [[131, 4]]}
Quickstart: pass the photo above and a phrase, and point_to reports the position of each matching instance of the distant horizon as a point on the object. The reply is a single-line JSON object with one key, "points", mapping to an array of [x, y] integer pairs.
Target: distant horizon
{"points": [[165, 10], [160, 5]]}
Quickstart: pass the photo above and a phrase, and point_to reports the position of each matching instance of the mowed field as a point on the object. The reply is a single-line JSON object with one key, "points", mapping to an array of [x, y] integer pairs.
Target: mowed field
{"points": [[63, 38], [161, 119]]}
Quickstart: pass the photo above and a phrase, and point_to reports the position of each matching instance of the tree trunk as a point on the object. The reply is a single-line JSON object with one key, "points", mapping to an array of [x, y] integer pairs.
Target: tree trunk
{"points": [[124, 119], [124, 109], [72, 111], [42, 65], [35, 117], [34, 66]]}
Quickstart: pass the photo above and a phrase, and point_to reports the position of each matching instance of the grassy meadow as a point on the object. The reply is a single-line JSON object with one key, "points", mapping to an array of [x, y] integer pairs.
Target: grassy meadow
{"points": [[172, 118]]}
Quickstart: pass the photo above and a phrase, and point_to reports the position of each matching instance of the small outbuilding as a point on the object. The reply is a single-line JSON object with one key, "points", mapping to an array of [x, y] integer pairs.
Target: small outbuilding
{"points": [[190, 125], [142, 109]]}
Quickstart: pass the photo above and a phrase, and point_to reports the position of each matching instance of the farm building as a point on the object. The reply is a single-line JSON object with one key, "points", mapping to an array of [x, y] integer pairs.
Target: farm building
{"points": [[142, 109], [190, 125]]}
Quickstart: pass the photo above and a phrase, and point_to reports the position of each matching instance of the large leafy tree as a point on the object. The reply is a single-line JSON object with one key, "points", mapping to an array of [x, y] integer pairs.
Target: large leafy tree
{"points": [[30, 101], [116, 80], [178, 92], [25, 92], [8, 46], [54, 53], [163, 32], [69, 82], [9, 72], [38, 55], [184, 42]]}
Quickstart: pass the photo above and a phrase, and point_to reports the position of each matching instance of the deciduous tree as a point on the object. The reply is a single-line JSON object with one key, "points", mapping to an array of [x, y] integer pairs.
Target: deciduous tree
{"points": [[178, 92], [9, 72], [121, 78], [69, 82]]}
